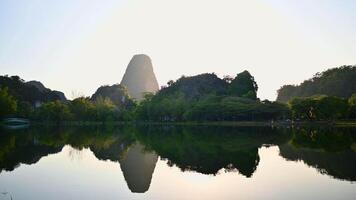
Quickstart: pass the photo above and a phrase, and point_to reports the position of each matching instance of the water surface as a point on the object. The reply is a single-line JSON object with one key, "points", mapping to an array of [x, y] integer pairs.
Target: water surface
{"points": [[178, 162]]}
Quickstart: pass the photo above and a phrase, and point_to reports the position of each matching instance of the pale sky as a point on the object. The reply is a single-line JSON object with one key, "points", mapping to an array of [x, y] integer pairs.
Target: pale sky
{"points": [[75, 46]]}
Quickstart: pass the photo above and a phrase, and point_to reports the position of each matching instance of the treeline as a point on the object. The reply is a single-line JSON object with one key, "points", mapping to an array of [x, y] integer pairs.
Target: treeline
{"points": [[204, 97], [340, 82], [79, 109], [30, 92], [323, 108], [109, 103]]}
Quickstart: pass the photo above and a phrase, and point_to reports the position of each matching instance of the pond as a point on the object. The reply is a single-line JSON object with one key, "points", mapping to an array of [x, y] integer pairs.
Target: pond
{"points": [[178, 162]]}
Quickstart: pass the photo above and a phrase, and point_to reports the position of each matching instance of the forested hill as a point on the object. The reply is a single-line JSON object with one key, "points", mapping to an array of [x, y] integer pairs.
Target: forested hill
{"points": [[196, 87], [29, 92], [339, 82], [117, 93], [206, 97]]}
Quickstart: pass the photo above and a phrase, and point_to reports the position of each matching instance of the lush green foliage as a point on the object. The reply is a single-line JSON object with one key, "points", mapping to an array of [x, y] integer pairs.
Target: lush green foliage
{"points": [[8, 104], [24, 92], [32, 100], [244, 85], [236, 108], [206, 97], [352, 108], [116, 93], [53, 111], [340, 82], [319, 108], [81, 109]]}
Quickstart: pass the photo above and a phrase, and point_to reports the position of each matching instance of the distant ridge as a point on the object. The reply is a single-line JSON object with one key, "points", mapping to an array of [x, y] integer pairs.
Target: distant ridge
{"points": [[43, 89], [32, 92], [139, 77], [340, 82]]}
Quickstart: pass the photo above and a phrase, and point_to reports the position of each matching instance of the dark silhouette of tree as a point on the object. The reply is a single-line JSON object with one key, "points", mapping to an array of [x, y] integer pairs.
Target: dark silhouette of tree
{"points": [[319, 108], [244, 85], [8, 104]]}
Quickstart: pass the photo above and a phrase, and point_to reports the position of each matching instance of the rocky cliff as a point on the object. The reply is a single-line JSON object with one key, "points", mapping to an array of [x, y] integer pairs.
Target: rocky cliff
{"points": [[139, 77], [54, 93]]}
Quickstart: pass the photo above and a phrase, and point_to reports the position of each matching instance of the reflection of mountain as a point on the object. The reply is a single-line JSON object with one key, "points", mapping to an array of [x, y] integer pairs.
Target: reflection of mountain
{"points": [[29, 146], [204, 149], [138, 167], [209, 149]]}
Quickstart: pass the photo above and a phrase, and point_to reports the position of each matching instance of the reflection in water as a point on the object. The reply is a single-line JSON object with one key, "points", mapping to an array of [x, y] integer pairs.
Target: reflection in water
{"points": [[329, 150], [203, 149], [207, 149], [138, 167]]}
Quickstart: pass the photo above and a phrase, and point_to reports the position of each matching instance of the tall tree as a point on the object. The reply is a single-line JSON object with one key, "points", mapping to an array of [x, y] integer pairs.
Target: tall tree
{"points": [[244, 85], [8, 104]]}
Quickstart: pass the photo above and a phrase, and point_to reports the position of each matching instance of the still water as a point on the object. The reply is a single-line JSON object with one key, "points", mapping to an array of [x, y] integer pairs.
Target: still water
{"points": [[178, 162]]}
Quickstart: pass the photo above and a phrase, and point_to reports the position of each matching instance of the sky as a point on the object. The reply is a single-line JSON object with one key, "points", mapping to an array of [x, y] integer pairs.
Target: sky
{"points": [[75, 46]]}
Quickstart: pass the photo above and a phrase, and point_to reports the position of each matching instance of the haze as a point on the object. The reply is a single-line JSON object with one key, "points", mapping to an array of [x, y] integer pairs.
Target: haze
{"points": [[76, 46]]}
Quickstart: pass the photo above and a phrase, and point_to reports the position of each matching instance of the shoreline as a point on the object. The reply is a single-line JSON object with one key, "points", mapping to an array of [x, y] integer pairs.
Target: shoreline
{"points": [[201, 123]]}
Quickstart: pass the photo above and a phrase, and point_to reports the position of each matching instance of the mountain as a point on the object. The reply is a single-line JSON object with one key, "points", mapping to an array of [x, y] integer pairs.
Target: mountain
{"points": [[339, 82], [33, 92], [116, 93], [139, 77], [206, 97], [42, 88], [196, 87]]}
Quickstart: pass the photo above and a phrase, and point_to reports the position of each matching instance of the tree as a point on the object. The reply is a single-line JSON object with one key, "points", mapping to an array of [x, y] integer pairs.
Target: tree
{"points": [[228, 78], [55, 111], [331, 108], [105, 109], [303, 108], [24, 109], [340, 82], [117, 93], [82, 109], [170, 82], [244, 85], [8, 104], [352, 106], [319, 108], [352, 100]]}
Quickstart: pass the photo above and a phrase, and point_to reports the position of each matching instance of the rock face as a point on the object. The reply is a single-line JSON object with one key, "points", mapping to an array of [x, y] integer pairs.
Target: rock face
{"points": [[139, 77], [39, 86], [116, 93], [52, 93]]}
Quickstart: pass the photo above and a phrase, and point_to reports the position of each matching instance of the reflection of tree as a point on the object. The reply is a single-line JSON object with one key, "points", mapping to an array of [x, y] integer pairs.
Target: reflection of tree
{"points": [[28, 146], [20, 148], [204, 149], [329, 150], [209, 149]]}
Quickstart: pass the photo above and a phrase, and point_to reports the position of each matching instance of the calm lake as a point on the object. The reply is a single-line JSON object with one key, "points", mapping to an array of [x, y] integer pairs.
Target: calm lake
{"points": [[177, 162]]}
